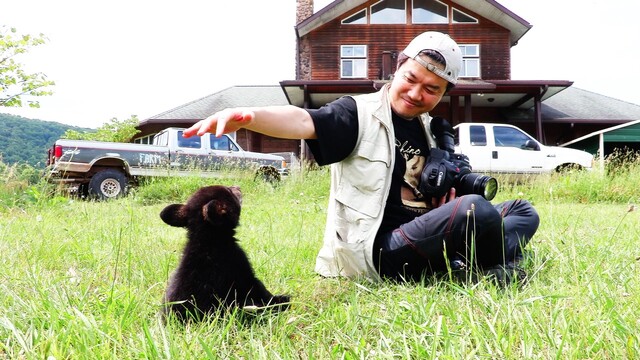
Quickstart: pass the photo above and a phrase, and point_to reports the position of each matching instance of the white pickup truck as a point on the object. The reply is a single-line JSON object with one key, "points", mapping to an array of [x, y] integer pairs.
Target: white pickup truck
{"points": [[506, 149]]}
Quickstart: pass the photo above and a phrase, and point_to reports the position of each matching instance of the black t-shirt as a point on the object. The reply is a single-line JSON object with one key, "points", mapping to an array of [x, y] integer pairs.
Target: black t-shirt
{"points": [[336, 127]]}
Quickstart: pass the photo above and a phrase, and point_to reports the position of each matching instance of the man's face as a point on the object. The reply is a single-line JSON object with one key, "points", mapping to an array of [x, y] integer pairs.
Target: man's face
{"points": [[415, 90]]}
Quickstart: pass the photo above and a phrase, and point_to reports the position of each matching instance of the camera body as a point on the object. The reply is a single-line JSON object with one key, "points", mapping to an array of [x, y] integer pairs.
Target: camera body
{"points": [[445, 169], [442, 172]]}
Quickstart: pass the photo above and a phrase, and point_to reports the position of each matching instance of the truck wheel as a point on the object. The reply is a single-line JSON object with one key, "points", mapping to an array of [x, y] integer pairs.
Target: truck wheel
{"points": [[268, 174], [107, 184]]}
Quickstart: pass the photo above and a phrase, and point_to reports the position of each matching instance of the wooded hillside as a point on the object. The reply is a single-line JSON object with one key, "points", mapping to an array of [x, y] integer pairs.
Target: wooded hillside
{"points": [[24, 140]]}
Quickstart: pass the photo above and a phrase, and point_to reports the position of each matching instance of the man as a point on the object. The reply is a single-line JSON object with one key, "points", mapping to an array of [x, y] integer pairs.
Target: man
{"points": [[379, 222]]}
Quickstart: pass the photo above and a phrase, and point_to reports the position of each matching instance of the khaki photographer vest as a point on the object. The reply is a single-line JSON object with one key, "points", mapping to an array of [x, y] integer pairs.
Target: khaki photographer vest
{"points": [[359, 189]]}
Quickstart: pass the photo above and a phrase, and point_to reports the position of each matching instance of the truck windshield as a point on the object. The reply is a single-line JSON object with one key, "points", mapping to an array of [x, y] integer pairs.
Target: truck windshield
{"points": [[222, 143], [506, 136]]}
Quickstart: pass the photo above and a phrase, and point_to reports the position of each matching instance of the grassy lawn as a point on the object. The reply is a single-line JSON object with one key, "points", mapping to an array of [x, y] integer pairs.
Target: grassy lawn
{"points": [[84, 280]]}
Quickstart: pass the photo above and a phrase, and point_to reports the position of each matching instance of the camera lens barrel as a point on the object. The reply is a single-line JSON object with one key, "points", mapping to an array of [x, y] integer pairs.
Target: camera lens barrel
{"points": [[472, 183]]}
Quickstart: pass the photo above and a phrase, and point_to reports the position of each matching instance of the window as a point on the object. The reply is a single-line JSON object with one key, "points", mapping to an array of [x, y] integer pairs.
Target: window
{"points": [[460, 17], [470, 61], [144, 140], [219, 143], [389, 12], [478, 135], [191, 143], [353, 61], [429, 12], [162, 139], [507, 136], [358, 18]]}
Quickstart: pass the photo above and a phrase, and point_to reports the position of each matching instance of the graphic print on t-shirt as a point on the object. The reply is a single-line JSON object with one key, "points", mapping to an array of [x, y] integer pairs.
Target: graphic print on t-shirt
{"points": [[412, 145]]}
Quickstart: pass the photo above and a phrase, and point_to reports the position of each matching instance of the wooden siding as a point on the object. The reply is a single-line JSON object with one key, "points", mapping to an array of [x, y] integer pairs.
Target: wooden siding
{"points": [[495, 54], [252, 141]]}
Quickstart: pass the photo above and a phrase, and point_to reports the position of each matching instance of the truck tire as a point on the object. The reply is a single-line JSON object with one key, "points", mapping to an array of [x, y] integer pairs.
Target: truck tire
{"points": [[107, 184]]}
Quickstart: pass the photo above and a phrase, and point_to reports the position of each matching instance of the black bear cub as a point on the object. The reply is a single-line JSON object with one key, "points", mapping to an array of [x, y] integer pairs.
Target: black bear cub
{"points": [[214, 271]]}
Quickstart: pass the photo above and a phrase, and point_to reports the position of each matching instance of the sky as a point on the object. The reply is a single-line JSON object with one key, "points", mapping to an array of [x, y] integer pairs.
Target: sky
{"points": [[118, 58]]}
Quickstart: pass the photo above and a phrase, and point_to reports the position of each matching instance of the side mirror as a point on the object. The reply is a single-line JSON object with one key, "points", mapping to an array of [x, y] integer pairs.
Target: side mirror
{"points": [[531, 145]]}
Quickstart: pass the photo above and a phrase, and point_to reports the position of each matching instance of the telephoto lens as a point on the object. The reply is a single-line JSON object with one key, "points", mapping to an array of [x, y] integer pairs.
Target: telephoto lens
{"points": [[472, 183]]}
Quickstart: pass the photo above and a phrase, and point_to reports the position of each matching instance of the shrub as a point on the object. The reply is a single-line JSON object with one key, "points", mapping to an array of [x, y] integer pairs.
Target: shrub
{"points": [[613, 184], [24, 185]]}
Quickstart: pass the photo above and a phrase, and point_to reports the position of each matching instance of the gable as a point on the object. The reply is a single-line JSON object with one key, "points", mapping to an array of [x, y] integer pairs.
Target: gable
{"points": [[488, 9]]}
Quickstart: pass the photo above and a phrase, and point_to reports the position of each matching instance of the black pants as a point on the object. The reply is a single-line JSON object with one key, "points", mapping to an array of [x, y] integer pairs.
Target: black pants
{"points": [[468, 228]]}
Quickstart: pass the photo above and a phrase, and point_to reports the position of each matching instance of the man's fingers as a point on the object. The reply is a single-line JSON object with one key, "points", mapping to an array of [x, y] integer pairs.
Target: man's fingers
{"points": [[220, 123], [437, 202], [192, 130], [220, 126], [206, 125], [247, 116]]}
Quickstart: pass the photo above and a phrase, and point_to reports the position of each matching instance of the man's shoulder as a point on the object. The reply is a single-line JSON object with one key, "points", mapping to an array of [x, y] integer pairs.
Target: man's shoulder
{"points": [[375, 96]]}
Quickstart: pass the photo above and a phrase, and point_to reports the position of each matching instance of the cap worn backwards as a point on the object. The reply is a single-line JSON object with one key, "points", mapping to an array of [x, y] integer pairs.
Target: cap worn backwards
{"points": [[443, 44]]}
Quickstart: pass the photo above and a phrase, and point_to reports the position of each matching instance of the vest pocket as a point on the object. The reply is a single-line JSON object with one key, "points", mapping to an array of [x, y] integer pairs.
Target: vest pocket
{"points": [[353, 229], [350, 258], [362, 178]]}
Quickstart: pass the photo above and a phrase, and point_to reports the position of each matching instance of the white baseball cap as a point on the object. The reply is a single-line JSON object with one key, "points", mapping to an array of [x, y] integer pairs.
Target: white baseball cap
{"points": [[441, 43]]}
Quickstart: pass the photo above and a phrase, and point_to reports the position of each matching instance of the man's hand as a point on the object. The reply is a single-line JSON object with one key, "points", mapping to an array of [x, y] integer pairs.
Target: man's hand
{"points": [[443, 200], [222, 122]]}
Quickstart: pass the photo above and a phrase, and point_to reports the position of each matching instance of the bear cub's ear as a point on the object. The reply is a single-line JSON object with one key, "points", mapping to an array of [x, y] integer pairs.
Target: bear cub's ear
{"points": [[174, 215], [217, 212], [214, 209]]}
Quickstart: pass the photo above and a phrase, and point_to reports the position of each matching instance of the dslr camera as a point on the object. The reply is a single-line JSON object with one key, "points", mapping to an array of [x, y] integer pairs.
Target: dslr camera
{"points": [[445, 169]]}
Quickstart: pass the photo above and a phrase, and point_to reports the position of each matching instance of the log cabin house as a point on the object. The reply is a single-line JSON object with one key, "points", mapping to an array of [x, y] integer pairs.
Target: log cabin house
{"points": [[350, 47]]}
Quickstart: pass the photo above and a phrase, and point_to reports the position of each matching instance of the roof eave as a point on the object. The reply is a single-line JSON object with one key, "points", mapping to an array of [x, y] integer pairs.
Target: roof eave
{"points": [[326, 14], [494, 11], [489, 9]]}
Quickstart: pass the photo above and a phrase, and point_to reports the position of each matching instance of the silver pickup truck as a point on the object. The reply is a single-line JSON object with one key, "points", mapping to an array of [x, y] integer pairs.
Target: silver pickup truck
{"points": [[105, 169]]}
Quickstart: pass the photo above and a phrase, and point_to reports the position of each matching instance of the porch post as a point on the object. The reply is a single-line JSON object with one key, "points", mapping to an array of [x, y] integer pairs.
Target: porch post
{"points": [[467, 108], [537, 114]]}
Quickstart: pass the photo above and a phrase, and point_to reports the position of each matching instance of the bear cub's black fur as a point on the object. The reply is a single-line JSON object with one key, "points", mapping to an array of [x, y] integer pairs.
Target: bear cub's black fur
{"points": [[214, 272]]}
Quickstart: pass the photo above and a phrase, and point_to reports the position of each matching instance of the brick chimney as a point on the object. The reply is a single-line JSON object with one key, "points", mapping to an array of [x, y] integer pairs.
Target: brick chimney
{"points": [[304, 10]]}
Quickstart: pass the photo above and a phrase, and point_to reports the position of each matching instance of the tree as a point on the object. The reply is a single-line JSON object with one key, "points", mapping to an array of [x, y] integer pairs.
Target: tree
{"points": [[113, 131], [15, 83]]}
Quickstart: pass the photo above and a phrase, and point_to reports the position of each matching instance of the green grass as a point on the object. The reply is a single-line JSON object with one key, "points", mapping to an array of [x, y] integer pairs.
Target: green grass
{"points": [[84, 280]]}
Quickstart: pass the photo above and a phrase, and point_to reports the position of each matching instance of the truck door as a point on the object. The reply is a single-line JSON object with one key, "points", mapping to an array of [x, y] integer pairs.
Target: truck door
{"points": [[224, 153], [189, 153], [515, 151], [480, 151]]}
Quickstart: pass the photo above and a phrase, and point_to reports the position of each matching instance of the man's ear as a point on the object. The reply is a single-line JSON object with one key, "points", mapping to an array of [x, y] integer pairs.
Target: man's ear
{"points": [[174, 215]]}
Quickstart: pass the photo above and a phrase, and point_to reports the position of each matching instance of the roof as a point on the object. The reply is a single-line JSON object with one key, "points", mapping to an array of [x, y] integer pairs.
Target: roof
{"points": [[575, 103], [487, 93], [489, 9], [628, 132], [236, 96], [562, 103], [492, 10], [605, 142]]}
